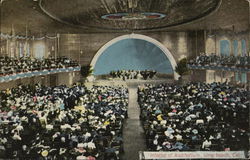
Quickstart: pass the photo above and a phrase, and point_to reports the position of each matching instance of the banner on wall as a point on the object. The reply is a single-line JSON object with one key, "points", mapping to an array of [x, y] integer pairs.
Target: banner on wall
{"points": [[13, 36], [192, 155]]}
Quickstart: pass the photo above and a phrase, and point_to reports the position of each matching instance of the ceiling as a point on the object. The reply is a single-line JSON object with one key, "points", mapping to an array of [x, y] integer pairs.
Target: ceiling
{"points": [[77, 13], [85, 16]]}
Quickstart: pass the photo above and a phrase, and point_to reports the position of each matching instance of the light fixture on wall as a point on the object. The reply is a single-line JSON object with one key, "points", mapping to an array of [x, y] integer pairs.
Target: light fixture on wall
{"points": [[81, 53], [233, 28], [210, 33], [1, 1]]}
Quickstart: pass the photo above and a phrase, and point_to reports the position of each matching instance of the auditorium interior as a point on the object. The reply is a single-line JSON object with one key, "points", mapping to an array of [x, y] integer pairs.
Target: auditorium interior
{"points": [[124, 79]]}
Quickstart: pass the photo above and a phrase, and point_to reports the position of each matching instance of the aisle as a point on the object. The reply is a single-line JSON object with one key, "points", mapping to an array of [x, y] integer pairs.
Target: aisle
{"points": [[133, 134]]}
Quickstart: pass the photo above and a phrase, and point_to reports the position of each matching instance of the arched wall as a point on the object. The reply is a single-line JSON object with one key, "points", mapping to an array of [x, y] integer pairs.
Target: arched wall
{"points": [[140, 37]]}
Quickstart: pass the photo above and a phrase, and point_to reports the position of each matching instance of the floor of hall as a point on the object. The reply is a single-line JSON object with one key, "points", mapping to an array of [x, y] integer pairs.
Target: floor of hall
{"points": [[133, 134]]}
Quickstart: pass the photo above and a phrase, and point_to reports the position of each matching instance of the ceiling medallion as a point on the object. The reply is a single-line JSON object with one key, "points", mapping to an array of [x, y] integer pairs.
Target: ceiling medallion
{"points": [[134, 16]]}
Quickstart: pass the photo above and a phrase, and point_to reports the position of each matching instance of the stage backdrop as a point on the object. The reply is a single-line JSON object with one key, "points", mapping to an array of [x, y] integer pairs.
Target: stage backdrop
{"points": [[132, 54]]}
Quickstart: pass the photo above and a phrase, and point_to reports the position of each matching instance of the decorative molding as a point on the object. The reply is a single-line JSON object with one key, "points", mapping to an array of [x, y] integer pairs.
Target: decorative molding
{"points": [[13, 77]]}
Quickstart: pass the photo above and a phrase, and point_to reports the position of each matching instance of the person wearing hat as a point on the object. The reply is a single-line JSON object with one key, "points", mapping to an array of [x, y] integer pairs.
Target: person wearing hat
{"points": [[202, 107]]}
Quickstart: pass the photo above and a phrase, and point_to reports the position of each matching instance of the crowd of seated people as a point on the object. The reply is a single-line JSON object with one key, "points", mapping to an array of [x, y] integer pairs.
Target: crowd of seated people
{"points": [[195, 116], [13, 65], [38, 122], [227, 61], [132, 74]]}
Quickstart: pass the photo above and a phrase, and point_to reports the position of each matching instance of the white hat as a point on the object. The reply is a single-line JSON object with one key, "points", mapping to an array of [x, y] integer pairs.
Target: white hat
{"points": [[49, 127], [17, 137], [63, 139], [23, 107], [24, 118], [45, 153], [155, 122], [62, 150], [178, 137], [199, 121], [163, 122], [195, 131], [19, 127], [81, 158], [80, 145]]}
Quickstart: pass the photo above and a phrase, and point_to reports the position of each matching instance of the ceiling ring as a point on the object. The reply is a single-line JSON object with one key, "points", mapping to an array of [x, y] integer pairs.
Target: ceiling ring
{"points": [[132, 24]]}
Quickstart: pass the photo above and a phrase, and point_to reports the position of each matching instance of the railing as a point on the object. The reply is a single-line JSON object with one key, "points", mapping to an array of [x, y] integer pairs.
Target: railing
{"points": [[11, 77], [224, 68]]}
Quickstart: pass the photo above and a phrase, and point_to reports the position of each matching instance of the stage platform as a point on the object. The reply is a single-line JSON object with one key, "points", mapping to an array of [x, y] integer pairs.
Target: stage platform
{"points": [[127, 83]]}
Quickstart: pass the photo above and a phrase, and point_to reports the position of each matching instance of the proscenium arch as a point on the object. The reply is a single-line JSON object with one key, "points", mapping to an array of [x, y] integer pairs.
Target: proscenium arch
{"points": [[140, 37]]}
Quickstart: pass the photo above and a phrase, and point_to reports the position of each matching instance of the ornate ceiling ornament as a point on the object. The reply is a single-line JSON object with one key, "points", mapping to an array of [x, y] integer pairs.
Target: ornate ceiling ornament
{"points": [[128, 15]]}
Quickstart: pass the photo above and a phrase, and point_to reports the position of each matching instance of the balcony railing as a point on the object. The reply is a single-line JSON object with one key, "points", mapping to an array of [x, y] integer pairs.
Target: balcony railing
{"points": [[12, 77], [224, 68]]}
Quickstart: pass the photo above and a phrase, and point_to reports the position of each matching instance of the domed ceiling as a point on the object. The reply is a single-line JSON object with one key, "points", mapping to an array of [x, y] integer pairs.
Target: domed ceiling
{"points": [[106, 16], [128, 14]]}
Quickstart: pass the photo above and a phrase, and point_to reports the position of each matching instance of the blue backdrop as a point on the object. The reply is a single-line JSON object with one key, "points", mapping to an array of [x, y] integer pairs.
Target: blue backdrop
{"points": [[133, 54]]}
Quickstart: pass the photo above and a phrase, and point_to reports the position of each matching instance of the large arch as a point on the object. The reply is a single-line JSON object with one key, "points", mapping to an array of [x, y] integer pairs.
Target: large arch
{"points": [[140, 37]]}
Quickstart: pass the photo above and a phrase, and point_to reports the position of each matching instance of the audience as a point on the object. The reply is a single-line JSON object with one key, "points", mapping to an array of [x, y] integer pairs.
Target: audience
{"points": [[195, 116], [12, 65], [38, 122], [226, 61], [132, 74]]}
